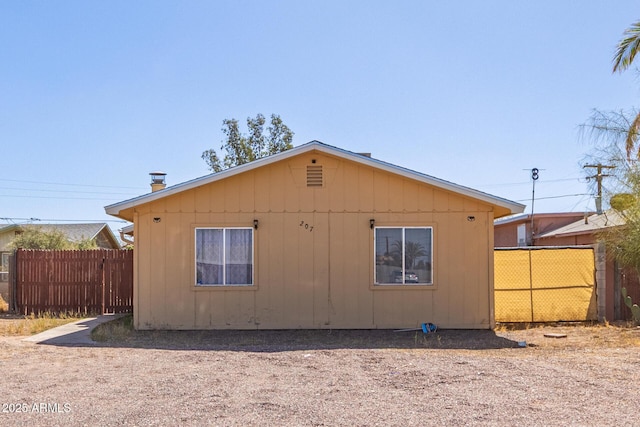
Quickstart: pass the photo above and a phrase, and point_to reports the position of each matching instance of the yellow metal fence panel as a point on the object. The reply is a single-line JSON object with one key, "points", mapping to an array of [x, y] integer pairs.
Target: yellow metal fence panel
{"points": [[545, 284]]}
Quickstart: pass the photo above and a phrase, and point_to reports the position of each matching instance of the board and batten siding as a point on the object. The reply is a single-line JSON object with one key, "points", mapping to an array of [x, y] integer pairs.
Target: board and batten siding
{"points": [[319, 278]]}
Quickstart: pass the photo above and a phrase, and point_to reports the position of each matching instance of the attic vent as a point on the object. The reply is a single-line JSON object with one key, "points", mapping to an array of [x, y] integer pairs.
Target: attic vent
{"points": [[314, 176]]}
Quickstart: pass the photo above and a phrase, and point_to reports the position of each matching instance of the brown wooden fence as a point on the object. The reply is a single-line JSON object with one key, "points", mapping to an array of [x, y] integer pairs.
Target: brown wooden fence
{"points": [[90, 281]]}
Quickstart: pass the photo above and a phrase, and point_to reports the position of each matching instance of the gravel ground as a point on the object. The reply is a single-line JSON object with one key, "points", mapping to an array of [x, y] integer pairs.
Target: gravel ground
{"points": [[314, 378]]}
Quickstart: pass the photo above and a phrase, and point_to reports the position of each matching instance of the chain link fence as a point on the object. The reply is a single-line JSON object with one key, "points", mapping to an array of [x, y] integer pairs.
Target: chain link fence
{"points": [[545, 284]]}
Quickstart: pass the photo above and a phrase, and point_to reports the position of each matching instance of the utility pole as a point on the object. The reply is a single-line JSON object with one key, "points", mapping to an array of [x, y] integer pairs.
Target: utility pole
{"points": [[534, 177], [598, 176]]}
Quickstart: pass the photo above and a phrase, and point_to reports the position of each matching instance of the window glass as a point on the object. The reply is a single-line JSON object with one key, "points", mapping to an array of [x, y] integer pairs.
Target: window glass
{"points": [[417, 255], [224, 256], [388, 255], [403, 255], [4, 266], [238, 256]]}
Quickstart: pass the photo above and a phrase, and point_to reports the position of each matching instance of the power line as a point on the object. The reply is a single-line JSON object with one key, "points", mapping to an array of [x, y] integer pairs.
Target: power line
{"points": [[555, 197], [63, 191], [58, 198], [506, 184], [64, 220], [73, 185], [578, 202]]}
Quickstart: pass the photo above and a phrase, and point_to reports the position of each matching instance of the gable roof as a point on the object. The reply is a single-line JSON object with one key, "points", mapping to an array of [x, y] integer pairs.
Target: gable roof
{"points": [[77, 232], [590, 225], [510, 206], [73, 232]]}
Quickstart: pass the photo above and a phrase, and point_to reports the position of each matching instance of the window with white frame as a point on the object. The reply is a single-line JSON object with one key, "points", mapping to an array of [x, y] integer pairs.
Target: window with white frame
{"points": [[521, 232], [4, 266], [224, 256], [403, 255]]}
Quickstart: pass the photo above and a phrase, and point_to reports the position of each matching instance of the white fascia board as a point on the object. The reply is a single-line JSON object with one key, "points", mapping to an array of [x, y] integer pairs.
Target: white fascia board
{"points": [[511, 218], [324, 148]]}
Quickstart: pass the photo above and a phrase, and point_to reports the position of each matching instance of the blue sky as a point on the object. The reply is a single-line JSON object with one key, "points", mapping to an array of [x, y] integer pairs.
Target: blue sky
{"points": [[95, 95]]}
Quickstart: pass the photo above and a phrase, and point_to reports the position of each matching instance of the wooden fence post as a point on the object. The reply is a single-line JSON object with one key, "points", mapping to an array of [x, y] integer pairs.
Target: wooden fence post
{"points": [[13, 274], [601, 280], [103, 292]]}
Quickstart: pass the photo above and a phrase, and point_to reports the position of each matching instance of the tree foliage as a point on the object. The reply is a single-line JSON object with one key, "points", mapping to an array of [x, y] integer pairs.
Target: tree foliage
{"points": [[625, 54], [412, 251], [622, 201], [627, 48], [623, 241], [241, 148], [34, 237], [615, 134]]}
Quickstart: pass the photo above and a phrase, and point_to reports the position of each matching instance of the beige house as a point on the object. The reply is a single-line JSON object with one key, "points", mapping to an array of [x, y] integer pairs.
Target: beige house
{"points": [[314, 237]]}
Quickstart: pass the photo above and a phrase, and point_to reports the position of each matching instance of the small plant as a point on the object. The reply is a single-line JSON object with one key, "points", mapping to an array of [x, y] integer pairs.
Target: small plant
{"points": [[635, 309]]}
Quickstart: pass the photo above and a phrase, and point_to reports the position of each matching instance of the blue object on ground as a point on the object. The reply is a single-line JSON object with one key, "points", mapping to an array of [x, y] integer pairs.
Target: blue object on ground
{"points": [[429, 327]]}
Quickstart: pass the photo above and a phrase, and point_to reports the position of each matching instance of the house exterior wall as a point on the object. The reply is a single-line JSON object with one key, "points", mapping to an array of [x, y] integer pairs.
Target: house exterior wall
{"points": [[506, 236], [313, 278]]}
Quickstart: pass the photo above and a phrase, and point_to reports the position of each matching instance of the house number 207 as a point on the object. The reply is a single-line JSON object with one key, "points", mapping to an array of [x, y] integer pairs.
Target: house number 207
{"points": [[306, 226]]}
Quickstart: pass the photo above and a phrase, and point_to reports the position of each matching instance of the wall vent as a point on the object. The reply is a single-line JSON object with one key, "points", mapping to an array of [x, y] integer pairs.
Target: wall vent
{"points": [[314, 176]]}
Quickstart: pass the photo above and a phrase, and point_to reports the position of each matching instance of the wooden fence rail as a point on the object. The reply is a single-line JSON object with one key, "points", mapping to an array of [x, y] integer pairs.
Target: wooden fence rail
{"points": [[88, 281]]}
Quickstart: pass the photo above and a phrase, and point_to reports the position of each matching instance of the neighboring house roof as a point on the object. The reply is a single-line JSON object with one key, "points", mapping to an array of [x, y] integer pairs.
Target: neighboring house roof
{"points": [[8, 227], [590, 225], [126, 235], [76, 232], [128, 230], [527, 217], [507, 205]]}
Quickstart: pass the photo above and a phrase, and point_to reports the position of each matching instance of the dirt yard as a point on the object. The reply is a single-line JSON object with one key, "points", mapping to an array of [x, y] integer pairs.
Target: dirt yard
{"points": [[315, 378]]}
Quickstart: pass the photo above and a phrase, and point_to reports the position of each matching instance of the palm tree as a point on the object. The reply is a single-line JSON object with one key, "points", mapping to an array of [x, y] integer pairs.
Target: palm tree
{"points": [[627, 48], [412, 251], [626, 52]]}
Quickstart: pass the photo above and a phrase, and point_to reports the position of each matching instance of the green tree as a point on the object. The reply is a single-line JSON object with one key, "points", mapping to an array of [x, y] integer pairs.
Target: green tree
{"points": [[627, 48], [412, 251], [616, 134], [34, 237], [625, 54], [85, 244], [623, 241], [241, 149]]}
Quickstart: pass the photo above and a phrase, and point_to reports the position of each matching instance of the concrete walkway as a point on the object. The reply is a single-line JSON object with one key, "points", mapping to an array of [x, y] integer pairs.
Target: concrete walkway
{"points": [[73, 334]]}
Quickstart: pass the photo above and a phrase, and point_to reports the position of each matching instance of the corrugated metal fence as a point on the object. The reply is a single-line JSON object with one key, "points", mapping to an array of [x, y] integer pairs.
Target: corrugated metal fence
{"points": [[545, 284], [90, 281]]}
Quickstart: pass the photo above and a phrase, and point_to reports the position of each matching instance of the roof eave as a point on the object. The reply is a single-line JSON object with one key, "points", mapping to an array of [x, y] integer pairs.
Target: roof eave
{"points": [[508, 205]]}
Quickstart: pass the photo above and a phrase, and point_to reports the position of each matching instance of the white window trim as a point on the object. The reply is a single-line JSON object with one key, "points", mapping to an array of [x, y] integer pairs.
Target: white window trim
{"points": [[378, 284], [223, 285], [4, 273]]}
